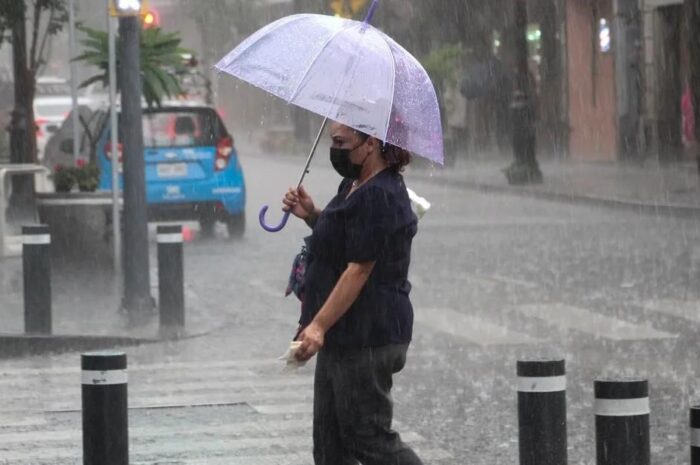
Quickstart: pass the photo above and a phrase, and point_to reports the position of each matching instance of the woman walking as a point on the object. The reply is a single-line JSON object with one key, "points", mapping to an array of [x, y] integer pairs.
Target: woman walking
{"points": [[356, 311]]}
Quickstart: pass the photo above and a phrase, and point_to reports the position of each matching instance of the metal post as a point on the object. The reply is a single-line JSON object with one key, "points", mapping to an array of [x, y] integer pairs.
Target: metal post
{"points": [[114, 139], [105, 413], [525, 168], [36, 264], [695, 435], [137, 298], [542, 412], [73, 79], [171, 293], [622, 422]]}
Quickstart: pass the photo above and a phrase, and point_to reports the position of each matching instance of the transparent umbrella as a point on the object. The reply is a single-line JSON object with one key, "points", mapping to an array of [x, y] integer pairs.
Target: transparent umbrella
{"points": [[347, 71]]}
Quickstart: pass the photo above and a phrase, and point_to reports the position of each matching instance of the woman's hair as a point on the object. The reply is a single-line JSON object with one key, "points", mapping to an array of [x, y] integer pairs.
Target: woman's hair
{"points": [[395, 157]]}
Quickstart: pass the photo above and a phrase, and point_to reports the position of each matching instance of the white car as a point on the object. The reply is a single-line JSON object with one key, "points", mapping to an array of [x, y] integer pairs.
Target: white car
{"points": [[49, 113], [47, 86], [52, 103]]}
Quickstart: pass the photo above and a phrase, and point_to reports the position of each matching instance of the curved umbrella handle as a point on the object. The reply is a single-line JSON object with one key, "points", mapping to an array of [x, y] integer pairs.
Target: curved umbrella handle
{"points": [[285, 218], [267, 228]]}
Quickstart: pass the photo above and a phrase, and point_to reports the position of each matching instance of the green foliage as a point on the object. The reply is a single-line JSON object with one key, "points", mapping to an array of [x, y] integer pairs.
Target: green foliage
{"points": [[12, 11], [85, 175], [58, 14], [161, 62], [63, 178]]}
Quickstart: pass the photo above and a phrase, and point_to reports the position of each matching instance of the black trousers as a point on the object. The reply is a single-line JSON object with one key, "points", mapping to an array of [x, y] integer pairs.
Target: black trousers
{"points": [[353, 409]]}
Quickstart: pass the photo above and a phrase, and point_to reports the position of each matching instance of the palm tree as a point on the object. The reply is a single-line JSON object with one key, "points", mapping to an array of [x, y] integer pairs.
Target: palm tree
{"points": [[162, 62]]}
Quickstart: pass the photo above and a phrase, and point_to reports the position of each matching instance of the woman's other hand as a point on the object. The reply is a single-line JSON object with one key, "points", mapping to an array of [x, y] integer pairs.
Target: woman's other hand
{"points": [[311, 338], [299, 203]]}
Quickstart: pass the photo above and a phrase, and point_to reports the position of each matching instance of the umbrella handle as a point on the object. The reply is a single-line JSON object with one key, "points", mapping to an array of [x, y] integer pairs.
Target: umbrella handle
{"points": [[285, 218], [267, 228]]}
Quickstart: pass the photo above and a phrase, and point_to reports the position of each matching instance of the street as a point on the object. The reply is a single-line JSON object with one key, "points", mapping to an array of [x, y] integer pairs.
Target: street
{"points": [[496, 278]]}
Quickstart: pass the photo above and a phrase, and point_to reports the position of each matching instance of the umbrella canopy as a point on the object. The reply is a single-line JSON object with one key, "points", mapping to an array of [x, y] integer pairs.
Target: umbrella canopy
{"points": [[347, 71]]}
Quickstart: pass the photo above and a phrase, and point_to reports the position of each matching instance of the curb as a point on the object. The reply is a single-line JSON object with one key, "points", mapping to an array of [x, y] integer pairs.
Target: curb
{"points": [[21, 345], [15, 345], [671, 210]]}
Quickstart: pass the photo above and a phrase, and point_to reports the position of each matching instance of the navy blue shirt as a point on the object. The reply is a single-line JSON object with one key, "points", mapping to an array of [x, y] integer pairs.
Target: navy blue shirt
{"points": [[375, 223]]}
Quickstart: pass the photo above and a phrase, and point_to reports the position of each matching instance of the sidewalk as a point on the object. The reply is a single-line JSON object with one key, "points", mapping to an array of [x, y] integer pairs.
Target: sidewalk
{"points": [[673, 189], [86, 313]]}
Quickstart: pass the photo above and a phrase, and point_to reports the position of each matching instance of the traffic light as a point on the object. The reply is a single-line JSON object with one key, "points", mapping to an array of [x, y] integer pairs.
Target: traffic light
{"points": [[127, 7], [150, 19]]}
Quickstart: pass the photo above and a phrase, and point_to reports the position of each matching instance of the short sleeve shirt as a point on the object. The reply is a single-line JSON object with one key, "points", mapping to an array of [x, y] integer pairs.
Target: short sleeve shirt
{"points": [[376, 224]]}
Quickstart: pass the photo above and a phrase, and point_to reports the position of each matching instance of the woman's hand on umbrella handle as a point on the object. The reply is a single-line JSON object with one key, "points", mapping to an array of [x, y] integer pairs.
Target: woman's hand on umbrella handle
{"points": [[299, 203]]}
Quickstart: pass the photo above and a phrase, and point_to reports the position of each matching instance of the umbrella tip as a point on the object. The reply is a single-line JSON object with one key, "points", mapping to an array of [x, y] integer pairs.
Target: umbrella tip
{"points": [[370, 12]]}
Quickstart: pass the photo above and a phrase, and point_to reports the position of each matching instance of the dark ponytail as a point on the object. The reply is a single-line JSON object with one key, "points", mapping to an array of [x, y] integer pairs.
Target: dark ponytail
{"points": [[395, 157]]}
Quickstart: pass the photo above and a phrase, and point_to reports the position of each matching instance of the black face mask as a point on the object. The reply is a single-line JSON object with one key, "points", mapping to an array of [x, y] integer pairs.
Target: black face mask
{"points": [[340, 159]]}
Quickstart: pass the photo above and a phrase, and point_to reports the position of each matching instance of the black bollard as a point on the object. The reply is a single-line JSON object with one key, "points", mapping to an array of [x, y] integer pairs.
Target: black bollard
{"points": [[622, 422], [171, 290], [542, 412], [105, 414], [695, 435], [36, 263]]}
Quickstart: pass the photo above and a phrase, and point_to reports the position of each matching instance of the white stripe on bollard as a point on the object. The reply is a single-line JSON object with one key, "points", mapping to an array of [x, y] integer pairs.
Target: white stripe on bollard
{"points": [[541, 384], [694, 437], [173, 238], [103, 378], [622, 407], [36, 239]]}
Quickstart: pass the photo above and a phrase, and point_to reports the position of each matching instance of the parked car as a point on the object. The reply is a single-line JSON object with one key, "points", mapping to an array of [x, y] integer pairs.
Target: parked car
{"points": [[54, 151], [47, 86], [192, 167], [49, 114]]}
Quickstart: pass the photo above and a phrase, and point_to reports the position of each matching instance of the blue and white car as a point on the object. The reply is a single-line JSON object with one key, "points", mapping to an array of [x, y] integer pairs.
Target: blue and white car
{"points": [[192, 168]]}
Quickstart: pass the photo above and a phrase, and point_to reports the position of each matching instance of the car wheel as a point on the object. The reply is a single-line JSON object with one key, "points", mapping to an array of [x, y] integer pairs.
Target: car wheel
{"points": [[235, 226], [206, 226]]}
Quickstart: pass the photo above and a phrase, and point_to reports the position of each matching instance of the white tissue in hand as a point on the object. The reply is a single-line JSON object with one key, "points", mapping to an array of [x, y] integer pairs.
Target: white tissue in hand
{"points": [[289, 356], [418, 203]]}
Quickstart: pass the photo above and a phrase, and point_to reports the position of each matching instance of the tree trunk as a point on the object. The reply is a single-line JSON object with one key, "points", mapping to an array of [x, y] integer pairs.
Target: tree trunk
{"points": [[21, 126], [525, 168], [692, 15], [20, 114]]}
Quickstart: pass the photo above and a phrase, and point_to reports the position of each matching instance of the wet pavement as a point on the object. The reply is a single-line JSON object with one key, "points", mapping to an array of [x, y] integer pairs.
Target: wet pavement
{"points": [[651, 186], [496, 278]]}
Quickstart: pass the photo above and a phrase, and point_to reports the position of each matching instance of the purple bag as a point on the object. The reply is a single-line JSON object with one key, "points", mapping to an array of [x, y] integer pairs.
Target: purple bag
{"points": [[298, 273]]}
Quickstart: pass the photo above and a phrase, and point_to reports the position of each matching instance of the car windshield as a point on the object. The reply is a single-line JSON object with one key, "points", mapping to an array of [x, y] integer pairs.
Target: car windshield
{"points": [[181, 129], [52, 88]]}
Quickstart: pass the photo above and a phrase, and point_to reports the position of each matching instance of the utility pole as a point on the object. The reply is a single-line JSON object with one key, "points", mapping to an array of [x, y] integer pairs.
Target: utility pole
{"points": [[73, 80], [114, 140], [692, 14], [137, 284], [525, 168], [22, 198]]}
